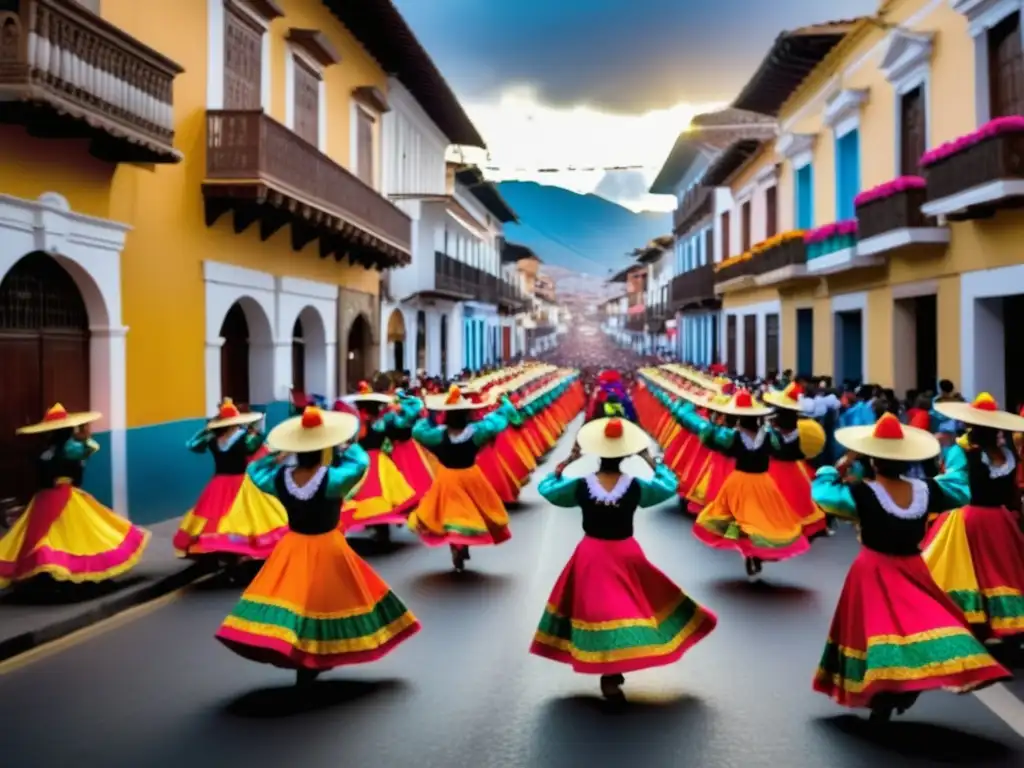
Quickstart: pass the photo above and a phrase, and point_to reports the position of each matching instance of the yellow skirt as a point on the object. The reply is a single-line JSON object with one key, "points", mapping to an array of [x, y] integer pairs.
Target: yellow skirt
{"points": [[461, 507], [68, 535], [383, 498]]}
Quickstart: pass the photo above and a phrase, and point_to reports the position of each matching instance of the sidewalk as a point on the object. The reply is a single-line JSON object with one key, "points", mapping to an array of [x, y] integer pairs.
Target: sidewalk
{"points": [[24, 625]]}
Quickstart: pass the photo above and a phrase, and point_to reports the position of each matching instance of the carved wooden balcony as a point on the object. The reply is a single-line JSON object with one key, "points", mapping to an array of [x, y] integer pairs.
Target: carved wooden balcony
{"points": [[261, 172], [694, 289], [453, 279], [67, 73], [895, 223]]}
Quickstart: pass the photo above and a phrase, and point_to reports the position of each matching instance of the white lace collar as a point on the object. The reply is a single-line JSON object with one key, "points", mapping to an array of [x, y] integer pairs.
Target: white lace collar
{"points": [[790, 437], [753, 443], [1004, 469], [463, 436], [602, 496], [307, 491], [234, 437], [918, 501]]}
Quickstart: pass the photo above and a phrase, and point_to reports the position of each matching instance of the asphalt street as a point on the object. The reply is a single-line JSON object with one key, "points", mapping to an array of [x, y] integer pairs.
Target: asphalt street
{"points": [[160, 691]]}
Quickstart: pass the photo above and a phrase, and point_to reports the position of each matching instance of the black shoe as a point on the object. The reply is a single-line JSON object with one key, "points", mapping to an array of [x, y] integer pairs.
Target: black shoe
{"points": [[880, 715], [306, 677]]}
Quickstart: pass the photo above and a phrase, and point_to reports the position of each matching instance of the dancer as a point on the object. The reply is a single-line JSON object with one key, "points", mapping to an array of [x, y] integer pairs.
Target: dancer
{"points": [[417, 465], [749, 514], [976, 554], [461, 509], [895, 633], [232, 517], [315, 604], [611, 610], [66, 534]]}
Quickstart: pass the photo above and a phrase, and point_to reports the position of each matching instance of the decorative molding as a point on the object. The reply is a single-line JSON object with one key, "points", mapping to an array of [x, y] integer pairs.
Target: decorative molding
{"points": [[906, 53], [768, 175], [260, 11], [791, 145], [371, 96], [844, 105], [982, 15], [314, 44]]}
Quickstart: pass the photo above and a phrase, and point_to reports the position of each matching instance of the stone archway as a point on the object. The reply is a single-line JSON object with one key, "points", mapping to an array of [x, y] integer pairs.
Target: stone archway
{"points": [[397, 340], [352, 304], [359, 343], [246, 371], [310, 363]]}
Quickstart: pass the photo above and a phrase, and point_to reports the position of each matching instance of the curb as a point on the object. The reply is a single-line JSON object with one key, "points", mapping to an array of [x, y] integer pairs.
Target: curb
{"points": [[17, 645]]}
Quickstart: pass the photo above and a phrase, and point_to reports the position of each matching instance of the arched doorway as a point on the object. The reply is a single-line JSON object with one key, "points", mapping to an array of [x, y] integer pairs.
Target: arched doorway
{"points": [[247, 354], [234, 356], [444, 345], [309, 354], [360, 341], [44, 346], [396, 339], [421, 341], [298, 357]]}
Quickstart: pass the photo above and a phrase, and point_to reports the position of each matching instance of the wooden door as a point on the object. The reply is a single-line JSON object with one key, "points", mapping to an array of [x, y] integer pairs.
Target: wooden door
{"points": [[913, 136], [506, 343], [730, 343], [750, 346]]}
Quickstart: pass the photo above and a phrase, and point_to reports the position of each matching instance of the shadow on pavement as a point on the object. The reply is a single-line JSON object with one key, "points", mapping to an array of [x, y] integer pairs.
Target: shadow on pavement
{"points": [[920, 741], [759, 590], [448, 582], [368, 548], [42, 590], [287, 701]]}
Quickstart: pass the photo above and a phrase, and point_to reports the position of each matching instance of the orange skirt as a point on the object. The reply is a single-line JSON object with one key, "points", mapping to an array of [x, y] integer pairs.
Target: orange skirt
{"points": [[461, 507]]}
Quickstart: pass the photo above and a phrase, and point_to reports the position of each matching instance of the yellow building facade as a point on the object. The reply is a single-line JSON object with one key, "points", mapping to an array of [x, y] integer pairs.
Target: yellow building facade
{"points": [[190, 210], [888, 138]]}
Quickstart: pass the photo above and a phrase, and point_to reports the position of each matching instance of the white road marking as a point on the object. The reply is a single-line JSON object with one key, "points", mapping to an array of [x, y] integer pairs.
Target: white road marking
{"points": [[1004, 705]]}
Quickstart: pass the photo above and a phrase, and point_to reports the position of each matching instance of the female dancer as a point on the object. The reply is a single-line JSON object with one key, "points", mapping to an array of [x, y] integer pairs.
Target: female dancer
{"points": [[611, 611], [232, 516], [315, 604], [414, 463], [749, 514], [65, 533], [461, 509], [976, 554], [895, 633], [384, 497]]}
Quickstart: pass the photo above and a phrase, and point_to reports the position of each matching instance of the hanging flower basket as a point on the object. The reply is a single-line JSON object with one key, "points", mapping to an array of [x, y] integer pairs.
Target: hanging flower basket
{"points": [[891, 206], [831, 238], [994, 151], [782, 250]]}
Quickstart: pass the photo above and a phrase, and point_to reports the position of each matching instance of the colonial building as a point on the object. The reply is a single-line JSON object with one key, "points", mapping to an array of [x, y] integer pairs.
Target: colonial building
{"points": [[655, 255], [634, 280], [191, 209]]}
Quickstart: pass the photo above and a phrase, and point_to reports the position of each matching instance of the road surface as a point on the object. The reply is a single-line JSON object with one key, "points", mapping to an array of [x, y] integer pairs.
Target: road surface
{"points": [[160, 692]]}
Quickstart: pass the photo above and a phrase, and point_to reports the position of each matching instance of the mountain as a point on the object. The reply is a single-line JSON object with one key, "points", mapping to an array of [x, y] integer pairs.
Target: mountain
{"points": [[581, 233]]}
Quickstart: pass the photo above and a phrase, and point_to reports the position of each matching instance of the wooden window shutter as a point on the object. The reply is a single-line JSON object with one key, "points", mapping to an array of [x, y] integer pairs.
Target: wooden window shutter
{"points": [[243, 61], [726, 244], [1005, 68], [365, 144], [745, 231], [912, 132], [307, 103], [771, 204]]}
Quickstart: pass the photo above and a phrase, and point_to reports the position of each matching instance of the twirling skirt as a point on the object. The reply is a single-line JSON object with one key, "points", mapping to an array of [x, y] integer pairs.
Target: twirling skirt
{"points": [[316, 604], [750, 515], [511, 458], [612, 612], [498, 474], [68, 535], [678, 447], [232, 516], [793, 479], [522, 448], [414, 464], [896, 631], [461, 507], [719, 467], [383, 498], [976, 554]]}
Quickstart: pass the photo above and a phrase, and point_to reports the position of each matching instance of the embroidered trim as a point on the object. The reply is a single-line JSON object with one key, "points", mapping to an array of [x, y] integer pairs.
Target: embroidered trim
{"points": [[307, 491], [465, 435], [602, 496], [225, 445], [753, 443], [1004, 469], [918, 502]]}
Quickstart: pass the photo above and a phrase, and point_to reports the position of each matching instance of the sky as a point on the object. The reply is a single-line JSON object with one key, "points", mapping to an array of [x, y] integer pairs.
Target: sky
{"points": [[598, 83]]}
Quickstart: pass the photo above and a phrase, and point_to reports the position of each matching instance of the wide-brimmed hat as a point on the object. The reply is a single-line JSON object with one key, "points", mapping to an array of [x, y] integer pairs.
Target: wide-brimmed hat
{"points": [[888, 439], [612, 438], [983, 412], [364, 394], [58, 418], [788, 398], [228, 415], [314, 430], [740, 404], [456, 400]]}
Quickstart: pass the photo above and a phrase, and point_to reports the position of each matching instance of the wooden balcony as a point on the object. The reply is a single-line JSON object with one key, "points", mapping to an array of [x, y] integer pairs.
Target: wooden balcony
{"points": [[696, 204], [979, 180], [694, 290], [261, 172], [65, 73], [785, 263], [457, 280], [896, 223]]}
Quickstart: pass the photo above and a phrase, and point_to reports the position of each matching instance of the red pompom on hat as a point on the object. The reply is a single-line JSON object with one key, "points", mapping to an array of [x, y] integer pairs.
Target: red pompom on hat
{"points": [[794, 391], [227, 410], [613, 429], [312, 418], [728, 389], [454, 395], [985, 402], [743, 399], [888, 428], [59, 412], [364, 388]]}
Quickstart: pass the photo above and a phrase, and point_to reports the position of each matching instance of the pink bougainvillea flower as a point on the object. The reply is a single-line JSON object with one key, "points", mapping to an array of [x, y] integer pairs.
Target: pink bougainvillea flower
{"points": [[888, 189], [1000, 125]]}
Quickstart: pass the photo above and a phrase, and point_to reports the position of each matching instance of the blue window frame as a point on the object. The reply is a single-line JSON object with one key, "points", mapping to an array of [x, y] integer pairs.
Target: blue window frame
{"points": [[804, 204], [847, 174]]}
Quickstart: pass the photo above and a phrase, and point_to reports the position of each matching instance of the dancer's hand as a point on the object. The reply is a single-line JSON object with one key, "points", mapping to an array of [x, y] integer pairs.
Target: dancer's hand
{"points": [[281, 457], [845, 464]]}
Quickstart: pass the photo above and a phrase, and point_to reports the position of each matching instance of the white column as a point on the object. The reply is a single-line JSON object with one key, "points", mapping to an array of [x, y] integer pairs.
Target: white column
{"points": [[270, 370], [433, 342], [988, 356], [107, 361], [213, 382], [331, 364]]}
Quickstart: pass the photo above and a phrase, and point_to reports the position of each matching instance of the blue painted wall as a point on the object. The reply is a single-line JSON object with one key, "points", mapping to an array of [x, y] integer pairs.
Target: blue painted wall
{"points": [[99, 479]]}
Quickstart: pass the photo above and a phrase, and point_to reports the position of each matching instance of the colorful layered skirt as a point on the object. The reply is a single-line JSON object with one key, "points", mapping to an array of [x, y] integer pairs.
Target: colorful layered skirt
{"points": [[718, 467], [316, 605], [513, 456], [232, 517], [793, 479], [613, 612], [498, 474], [896, 631], [976, 554], [383, 497], [69, 536], [751, 516], [462, 508], [414, 464]]}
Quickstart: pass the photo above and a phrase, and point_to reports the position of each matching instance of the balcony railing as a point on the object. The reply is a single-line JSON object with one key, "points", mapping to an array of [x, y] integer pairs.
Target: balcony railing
{"points": [[460, 280], [693, 288], [66, 72], [695, 205]]}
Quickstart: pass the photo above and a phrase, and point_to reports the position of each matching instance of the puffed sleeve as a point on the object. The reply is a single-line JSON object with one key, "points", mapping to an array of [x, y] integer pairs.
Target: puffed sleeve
{"points": [[343, 476], [492, 424], [79, 450], [254, 441], [559, 490], [200, 441], [262, 473], [951, 489], [661, 487], [830, 493], [427, 433]]}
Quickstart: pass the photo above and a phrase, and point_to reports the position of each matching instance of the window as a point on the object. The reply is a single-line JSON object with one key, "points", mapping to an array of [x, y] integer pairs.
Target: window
{"points": [[913, 141], [726, 247], [771, 215], [805, 197], [364, 142], [847, 174], [745, 224], [307, 102], [771, 343], [711, 244], [1005, 69], [243, 60], [730, 342]]}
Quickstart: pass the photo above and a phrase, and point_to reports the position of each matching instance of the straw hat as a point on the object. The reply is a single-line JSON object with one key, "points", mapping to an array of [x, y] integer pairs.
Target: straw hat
{"points": [[740, 404], [612, 438], [455, 400], [983, 412], [58, 418], [365, 394], [789, 398], [314, 430], [228, 415], [888, 439]]}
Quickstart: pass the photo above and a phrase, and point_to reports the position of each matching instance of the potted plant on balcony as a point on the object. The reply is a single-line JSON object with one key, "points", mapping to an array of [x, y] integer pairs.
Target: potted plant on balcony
{"points": [[778, 251], [994, 151], [734, 266], [831, 238], [890, 206]]}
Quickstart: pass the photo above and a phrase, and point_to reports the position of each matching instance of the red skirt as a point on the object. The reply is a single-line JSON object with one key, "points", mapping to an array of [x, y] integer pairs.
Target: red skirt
{"points": [[383, 498], [793, 479], [505, 446], [612, 612], [896, 631], [414, 464], [497, 475], [678, 447]]}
